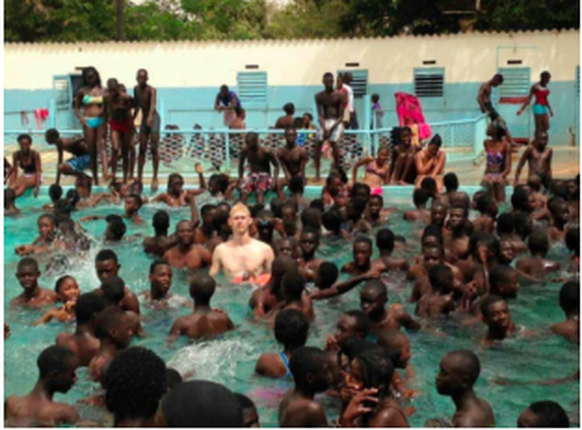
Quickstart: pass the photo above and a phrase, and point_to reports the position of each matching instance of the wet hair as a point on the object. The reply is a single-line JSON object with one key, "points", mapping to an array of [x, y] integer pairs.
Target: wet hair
{"points": [[484, 203], [538, 242], [523, 224], [519, 199], [317, 204], [116, 226], [173, 378], [429, 184], [54, 359], [363, 239], [59, 283], [296, 184], [113, 289], [245, 403], [72, 197], [85, 72], [202, 287], [570, 297], [289, 108], [27, 262], [55, 192], [451, 182], [134, 383], [49, 217], [351, 348], [328, 274], [306, 361], [332, 220], [293, 284], [376, 370], [157, 263], [358, 186], [469, 365], [498, 276], [484, 239], [489, 301], [385, 239], [88, 306], [291, 327], [137, 199], [573, 240], [505, 223], [420, 197], [106, 255], [375, 98], [441, 277], [434, 231], [499, 78], [108, 319], [549, 414], [362, 321], [201, 404], [9, 196]]}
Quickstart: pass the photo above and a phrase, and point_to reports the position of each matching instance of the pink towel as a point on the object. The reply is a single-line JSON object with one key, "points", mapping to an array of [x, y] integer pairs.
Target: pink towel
{"points": [[409, 110], [40, 116]]}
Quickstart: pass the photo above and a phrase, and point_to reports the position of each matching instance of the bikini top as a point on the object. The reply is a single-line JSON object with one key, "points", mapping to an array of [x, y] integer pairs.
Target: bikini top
{"points": [[371, 168], [495, 158], [88, 99], [30, 168], [286, 363]]}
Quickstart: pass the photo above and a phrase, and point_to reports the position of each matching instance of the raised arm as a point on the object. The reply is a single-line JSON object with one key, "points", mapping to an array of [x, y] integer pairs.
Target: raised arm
{"points": [[339, 288]]}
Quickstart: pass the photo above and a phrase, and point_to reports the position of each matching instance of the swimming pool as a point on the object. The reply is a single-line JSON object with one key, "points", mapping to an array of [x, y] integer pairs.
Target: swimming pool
{"points": [[230, 359]]}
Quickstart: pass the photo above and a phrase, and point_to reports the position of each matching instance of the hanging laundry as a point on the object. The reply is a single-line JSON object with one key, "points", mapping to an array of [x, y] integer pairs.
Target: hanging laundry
{"points": [[40, 117]]}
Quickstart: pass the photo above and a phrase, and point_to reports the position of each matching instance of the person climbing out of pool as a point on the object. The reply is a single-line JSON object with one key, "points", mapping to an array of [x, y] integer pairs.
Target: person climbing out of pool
{"points": [[569, 300], [205, 232], [459, 370], [106, 266], [385, 242], [353, 324], [541, 108], [27, 273], [160, 242], [452, 195], [536, 265], [373, 299], [132, 398], [270, 297], [292, 157], [249, 410], [457, 240], [90, 110], [186, 253], [83, 341], [560, 213], [10, 208], [295, 296], [539, 160], [204, 322], [291, 329], [114, 329], [175, 195], [488, 209], [68, 292], [56, 367], [430, 162], [330, 112], [420, 198], [254, 258], [496, 316], [546, 413], [310, 370], [112, 290], [393, 340], [259, 180], [29, 161], [80, 160], [145, 97], [440, 300], [498, 164], [402, 169], [226, 101], [160, 278], [47, 238], [376, 174]]}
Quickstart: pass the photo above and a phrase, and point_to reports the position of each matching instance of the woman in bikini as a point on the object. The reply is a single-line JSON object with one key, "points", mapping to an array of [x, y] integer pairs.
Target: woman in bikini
{"points": [[431, 162], [498, 162], [541, 108], [90, 101], [376, 171], [402, 165], [28, 160]]}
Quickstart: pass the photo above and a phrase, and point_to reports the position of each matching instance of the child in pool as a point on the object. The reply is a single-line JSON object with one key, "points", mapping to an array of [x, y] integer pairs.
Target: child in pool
{"points": [[420, 198], [537, 266], [295, 295], [325, 281], [55, 192], [488, 209], [291, 328], [440, 300], [68, 293], [33, 296], [570, 304], [396, 340], [46, 240], [497, 317], [204, 321], [560, 213], [385, 242]]}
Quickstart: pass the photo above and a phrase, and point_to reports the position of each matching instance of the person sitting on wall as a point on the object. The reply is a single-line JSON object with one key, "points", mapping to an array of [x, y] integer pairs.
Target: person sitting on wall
{"points": [[430, 162], [226, 101]]}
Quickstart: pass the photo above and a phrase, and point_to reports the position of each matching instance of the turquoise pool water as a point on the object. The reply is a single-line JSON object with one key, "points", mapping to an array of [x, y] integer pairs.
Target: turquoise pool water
{"points": [[231, 358]]}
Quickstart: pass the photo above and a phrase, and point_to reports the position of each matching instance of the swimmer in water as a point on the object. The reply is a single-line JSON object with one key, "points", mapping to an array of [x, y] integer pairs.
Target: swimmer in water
{"points": [[160, 282], [385, 242], [353, 324], [537, 266], [160, 242], [242, 258], [33, 296], [107, 265], [186, 254], [570, 304], [68, 292], [440, 300], [295, 296], [546, 414], [420, 198]]}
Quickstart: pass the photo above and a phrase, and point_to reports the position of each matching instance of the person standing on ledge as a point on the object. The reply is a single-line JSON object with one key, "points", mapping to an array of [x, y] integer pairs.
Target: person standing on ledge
{"points": [[486, 105], [541, 108], [242, 258], [227, 101], [286, 121], [330, 110], [146, 97]]}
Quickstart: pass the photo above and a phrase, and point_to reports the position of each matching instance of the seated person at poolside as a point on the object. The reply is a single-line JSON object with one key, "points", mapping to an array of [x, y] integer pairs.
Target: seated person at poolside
{"points": [[10, 208], [376, 174], [537, 266], [570, 304], [175, 195], [260, 159], [420, 198], [498, 164], [68, 292], [186, 253], [204, 321], [79, 150], [56, 367], [29, 161], [83, 342], [292, 157], [46, 240], [430, 162], [242, 258], [33, 296], [291, 329], [402, 166]]}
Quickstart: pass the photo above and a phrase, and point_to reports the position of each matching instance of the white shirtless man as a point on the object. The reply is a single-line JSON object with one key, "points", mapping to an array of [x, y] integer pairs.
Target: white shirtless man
{"points": [[242, 258]]}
